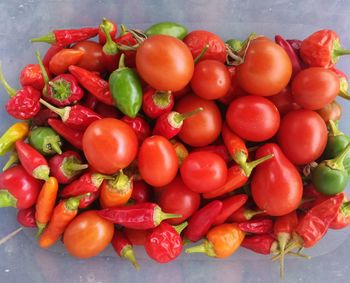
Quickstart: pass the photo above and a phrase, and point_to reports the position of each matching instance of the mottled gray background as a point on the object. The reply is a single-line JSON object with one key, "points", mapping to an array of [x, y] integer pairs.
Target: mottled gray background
{"points": [[22, 261]]}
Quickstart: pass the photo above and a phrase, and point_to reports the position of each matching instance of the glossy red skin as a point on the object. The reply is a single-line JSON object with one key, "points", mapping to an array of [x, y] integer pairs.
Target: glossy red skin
{"points": [[81, 117], [130, 56], [31, 75], [165, 128], [79, 187], [92, 59], [23, 187], [253, 118], [113, 29], [284, 101], [140, 127], [108, 111], [257, 226], [86, 201], [41, 119], [150, 107], [137, 237], [197, 39], [52, 51], [276, 185], [203, 172], [119, 242], [26, 217], [141, 192], [177, 198], [302, 136], [74, 137]]}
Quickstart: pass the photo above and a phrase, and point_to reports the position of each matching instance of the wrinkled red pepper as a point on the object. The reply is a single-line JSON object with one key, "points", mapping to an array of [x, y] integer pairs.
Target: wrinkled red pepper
{"points": [[262, 244], [31, 75], [257, 226], [342, 219]]}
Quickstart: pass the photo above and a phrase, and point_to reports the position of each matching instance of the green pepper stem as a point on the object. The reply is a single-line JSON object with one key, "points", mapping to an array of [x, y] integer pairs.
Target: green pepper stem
{"points": [[42, 68], [201, 54], [128, 254], [121, 61], [240, 157], [341, 51], [235, 44], [179, 228], [121, 183], [62, 112], [41, 172], [159, 215], [249, 166], [345, 208], [123, 30], [6, 199], [12, 160], [48, 38], [162, 98], [334, 130], [249, 214], [71, 166], [344, 94], [56, 147], [338, 162], [180, 117], [110, 47], [61, 89], [41, 228], [206, 247], [10, 90], [98, 178], [72, 203]]}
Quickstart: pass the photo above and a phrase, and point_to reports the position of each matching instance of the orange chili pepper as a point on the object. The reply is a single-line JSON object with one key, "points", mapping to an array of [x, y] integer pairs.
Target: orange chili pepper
{"points": [[235, 145]]}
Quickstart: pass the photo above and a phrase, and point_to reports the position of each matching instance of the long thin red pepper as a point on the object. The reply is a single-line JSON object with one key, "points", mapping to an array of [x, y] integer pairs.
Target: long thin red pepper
{"points": [[123, 247], [235, 145], [262, 244], [89, 199], [156, 103], [257, 226], [74, 137], [243, 214]]}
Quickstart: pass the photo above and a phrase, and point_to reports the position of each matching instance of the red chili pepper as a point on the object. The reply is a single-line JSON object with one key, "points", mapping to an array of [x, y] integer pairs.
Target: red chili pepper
{"points": [[164, 243], [141, 216], [66, 37], [220, 150], [26, 217], [111, 28], [262, 244], [60, 62], [235, 145], [201, 221], [141, 192], [123, 247], [90, 101], [18, 188], [54, 49], [74, 137], [137, 237], [311, 197], [156, 103], [140, 127], [127, 39], [32, 161], [31, 75], [41, 119], [67, 166], [295, 44], [107, 111], [257, 226], [170, 124], [89, 199], [93, 83], [229, 206], [243, 214], [322, 49], [284, 227], [342, 219]]}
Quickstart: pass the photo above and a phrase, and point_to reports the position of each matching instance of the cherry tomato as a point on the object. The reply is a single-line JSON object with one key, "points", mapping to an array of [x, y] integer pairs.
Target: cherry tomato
{"points": [[196, 41], [211, 79], [315, 87], [109, 145], [203, 128], [332, 111], [157, 161], [302, 136], [164, 62], [177, 198], [203, 171], [266, 69], [253, 118], [92, 58], [88, 235], [284, 101]]}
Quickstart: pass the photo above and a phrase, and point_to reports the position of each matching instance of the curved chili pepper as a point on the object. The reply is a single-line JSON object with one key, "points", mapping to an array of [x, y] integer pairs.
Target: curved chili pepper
{"points": [[180, 150], [262, 244], [137, 237], [74, 137], [342, 219], [17, 131], [141, 192], [45, 140], [32, 161], [235, 145], [123, 247], [60, 62], [41, 119], [156, 103], [31, 75], [111, 28], [140, 127], [26, 217], [295, 44], [243, 214], [220, 150], [257, 226], [53, 49], [89, 199], [110, 54], [141, 216]]}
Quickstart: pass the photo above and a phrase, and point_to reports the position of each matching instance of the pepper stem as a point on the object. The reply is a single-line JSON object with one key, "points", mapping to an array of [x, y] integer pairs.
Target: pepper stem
{"points": [[41, 228], [200, 55], [334, 130], [10, 90], [206, 248], [56, 147], [180, 117], [41, 172], [12, 160], [179, 228], [283, 239], [73, 202], [129, 254], [341, 51], [249, 214], [121, 61], [52, 143], [162, 98], [249, 166], [42, 68], [62, 112], [240, 157], [345, 208], [110, 47], [71, 166], [159, 215], [337, 163], [98, 178], [234, 44], [6, 199], [122, 29], [48, 38]]}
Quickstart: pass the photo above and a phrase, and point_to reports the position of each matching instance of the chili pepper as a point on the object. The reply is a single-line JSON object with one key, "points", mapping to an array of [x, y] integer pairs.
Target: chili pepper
{"points": [[127, 39], [229, 206], [170, 124], [31, 75], [137, 237], [141, 192], [13, 159], [110, 54], [89, 199], [167, 28], [330, 176], [62, 215], [332, 111], [93, 83], [311, 197], [67, 166], [284, 227], [342, 219], [180, 150], [111, 28], [46, 203], [41, 119], [336, 142], [259, 226], [60, 62], [18, 188], [90, 101], [74, 137], [164, 243], [296, 64], [45, 140], [140, 127], [26, 217], [53, 49], [33, 162], [156, 103], [108, 111], [76, 117], [126, 89], [243, 214], [141, 216], [123, 247], [17, 131], [220, 150], [222, 241], [322, 49], [262, 244], [201, 221], [295, 44], [66, 37]]}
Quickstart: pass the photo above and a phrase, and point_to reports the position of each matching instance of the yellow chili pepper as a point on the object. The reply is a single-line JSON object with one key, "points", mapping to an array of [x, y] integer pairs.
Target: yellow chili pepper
{"points": [[17, 131]]}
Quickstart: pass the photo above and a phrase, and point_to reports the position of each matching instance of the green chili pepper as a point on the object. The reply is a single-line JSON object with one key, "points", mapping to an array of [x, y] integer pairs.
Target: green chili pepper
{"points": [[126, 89], [167, 28], [330, 176], [45, 140]]}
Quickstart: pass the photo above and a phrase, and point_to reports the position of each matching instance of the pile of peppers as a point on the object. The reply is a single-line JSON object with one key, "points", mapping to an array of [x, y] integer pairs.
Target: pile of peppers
{"points": [[50, 181]]}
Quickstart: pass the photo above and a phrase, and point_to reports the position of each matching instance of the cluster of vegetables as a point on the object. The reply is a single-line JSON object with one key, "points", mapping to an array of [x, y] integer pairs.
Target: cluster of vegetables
{"points": [[165, 137]]}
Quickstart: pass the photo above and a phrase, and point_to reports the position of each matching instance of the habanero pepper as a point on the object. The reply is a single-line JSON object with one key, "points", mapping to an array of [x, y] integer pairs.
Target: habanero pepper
{"points": [[257, 226], [140, 127], [156, 103], [74, 137], [31, 75], [262, 244], [123, 247], [141, 192], [45, 140], [26, 217], [342, 219], [110, 51], [180, 150], [18, 131], [60, 62]]}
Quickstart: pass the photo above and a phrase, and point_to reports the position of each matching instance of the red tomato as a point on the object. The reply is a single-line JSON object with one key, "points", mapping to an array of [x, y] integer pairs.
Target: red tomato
{"points": [[211, 79], [302, 136], [196, 41], [92, 58], [164, 62], [203, 128], [284, 101], [315, 87], [88, 235], [253, 118], [109, 145], [157, 161], [276, 185], [203, 171], [266, 69], [177, 198]]}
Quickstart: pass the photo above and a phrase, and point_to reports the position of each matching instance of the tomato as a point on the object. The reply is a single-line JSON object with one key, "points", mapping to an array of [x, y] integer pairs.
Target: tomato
{"points": [[332, 111], [164, 62], [203, 128], [302, 136], [109, 145], [92, 58], [253, 118], [177, 198], [266, 69], [203, 171], [196, 41], [88, 235], [284, 101], [211, 79], [315, 87], [157, 161]]}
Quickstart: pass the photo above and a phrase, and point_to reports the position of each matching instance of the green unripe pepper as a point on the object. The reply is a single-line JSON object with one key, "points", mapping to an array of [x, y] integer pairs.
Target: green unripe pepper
{"points": [[167, 28], [45, 140]]}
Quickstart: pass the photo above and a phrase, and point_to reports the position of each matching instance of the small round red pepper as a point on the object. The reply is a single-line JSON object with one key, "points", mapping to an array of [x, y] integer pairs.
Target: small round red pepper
{"points": [[156, 103], [31, 75]]}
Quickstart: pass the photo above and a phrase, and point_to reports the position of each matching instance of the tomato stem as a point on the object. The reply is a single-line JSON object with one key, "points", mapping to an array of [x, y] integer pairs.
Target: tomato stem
{"points": [[249, 166], [201, 54], [334, 130]]}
